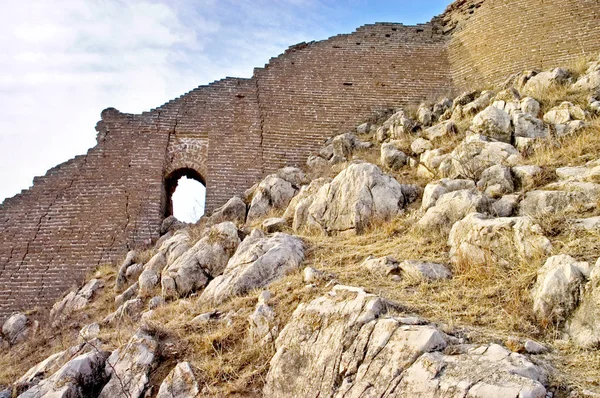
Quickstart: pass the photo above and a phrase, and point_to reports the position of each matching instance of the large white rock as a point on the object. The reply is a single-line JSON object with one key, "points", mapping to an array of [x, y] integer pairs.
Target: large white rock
{"points": [[558, 287], [82, 376], [441, 130], [122, 274], [272, 193], [475, 154], [395, 127], [297, 210], [436, 189], [528, 126], [563, 196], [172, 248], [234, 210], [479, 239], [478, 372], [180, 383], [546, 80], [150, 276], [584, 325], [74, 301], [431, 162], [420, 145], [343, 345], [205, 260], [423, 270], [530, 106], [392, 157], [479, 104], [452, 207], [526, 177], [258, 261], [493, 123], [496, 181], [16, 328], [357, 196], [129, 366]]}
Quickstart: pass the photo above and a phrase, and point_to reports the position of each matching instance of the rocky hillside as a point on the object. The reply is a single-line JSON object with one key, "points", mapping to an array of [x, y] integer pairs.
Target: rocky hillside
{"points": [[449, 249]]}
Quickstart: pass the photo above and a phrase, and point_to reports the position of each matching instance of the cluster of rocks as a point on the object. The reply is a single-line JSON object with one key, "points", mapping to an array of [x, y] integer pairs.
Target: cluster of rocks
{"points": [[349, 342]]}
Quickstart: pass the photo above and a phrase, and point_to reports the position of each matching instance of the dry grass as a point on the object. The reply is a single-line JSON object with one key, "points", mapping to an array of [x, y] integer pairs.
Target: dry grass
{"points": [[572, 150]]}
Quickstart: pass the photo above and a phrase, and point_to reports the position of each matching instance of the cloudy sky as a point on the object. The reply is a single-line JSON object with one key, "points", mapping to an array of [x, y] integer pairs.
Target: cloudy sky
{"points": [[63, 61]]}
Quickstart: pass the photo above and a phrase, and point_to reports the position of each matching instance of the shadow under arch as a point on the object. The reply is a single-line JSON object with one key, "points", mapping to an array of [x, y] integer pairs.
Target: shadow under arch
{"points": [[170, 184]]}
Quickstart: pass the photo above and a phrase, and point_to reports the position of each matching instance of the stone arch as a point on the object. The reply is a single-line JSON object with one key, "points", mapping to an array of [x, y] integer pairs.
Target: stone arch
{"points": [[170, 184]]}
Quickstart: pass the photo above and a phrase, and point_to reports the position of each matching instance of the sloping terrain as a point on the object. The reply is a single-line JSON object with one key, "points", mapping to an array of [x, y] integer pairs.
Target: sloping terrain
{"points": [[450, 249]]}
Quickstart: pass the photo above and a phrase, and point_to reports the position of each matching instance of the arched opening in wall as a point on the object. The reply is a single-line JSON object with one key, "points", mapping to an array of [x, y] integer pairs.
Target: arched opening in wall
{"points": [[185, 195]]}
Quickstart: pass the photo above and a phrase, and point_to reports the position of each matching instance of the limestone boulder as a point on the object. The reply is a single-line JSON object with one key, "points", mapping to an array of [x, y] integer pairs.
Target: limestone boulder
{"points": [[546, 81], [392, 157], [564, 113], [558, 287], [263, 327], [528, 126], [441, 107], [421, 145], [121, 280], [343, 344], [452, 207], [150, 276], [566, 196], [171, 248], [131, 292], [475, 154], [423, 270], [588, 82], [398, 125], [425, 115], [49, 366], [441, 130], [130, 310], [74, 301], [129, 366], [431, 163], [234, 210], [258, 261], [171, 224], [434, 190], [526, 177], [464, 98], [477, 371], [493, 123], [479, 239], [273, 192], [358, 195], [479, 104], [496, 181], [297, 210], [530, 106], [381, 266], [584, 325], [17, 328], [82, 376], [204, 261], [274, 224], [179, 383], [315, 162], [506, 206]]}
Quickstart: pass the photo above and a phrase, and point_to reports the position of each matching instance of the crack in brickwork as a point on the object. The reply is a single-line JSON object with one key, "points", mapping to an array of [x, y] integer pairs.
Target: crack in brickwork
{"points": [[94, 208]]}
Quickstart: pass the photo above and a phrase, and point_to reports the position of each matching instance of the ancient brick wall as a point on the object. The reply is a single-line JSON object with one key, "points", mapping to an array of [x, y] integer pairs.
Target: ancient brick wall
{"points": [[492, 39], [229, 134]]}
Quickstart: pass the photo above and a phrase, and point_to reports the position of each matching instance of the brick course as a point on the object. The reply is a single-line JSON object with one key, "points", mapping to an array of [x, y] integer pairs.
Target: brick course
{"points": [[93, 208]]}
